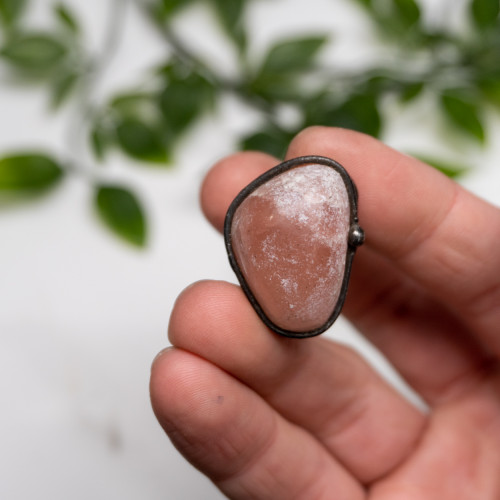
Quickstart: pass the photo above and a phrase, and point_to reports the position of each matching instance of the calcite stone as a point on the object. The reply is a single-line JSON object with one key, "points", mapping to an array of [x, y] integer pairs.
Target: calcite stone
{"points": [[289, 238]]}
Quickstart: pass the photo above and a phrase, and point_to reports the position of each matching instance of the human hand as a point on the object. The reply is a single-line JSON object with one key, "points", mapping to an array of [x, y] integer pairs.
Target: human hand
{"points": [[267, 417]]}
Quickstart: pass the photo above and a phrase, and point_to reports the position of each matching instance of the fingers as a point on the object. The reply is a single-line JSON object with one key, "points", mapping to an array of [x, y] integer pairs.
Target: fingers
{"points": [[459, 444], [323, 387], [428, 346], [440, 235], [436, 233], [234, 437], [227, 178], [393, 311]]}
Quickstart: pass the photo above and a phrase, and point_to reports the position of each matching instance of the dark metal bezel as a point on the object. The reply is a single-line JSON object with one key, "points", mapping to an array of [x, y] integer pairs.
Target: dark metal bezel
{"points": [[355, 238]]}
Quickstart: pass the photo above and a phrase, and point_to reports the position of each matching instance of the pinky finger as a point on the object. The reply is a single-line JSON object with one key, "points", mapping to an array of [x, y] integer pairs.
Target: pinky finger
{"points": [[228, 432]]}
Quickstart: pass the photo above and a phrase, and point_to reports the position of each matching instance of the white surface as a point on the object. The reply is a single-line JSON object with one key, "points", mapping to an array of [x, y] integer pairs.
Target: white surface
{"points": [[82, 316]]}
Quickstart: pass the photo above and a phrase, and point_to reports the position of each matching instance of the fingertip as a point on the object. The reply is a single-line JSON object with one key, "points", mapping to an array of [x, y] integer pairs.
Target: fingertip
{"points": [[337, 143], [214, 320], [205, 310], [163, 382], [227, 178], [186, 393]]}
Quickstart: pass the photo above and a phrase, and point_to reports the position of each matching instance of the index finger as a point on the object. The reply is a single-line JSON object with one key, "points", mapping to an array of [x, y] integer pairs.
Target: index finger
{"points": [[439, 234]]}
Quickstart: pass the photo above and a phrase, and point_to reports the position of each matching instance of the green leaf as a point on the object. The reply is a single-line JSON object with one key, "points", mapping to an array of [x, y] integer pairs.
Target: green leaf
{"points": [[368, 4], [411, 91], [66, 17], [99, 140], [490, 89], [406, 11], [278, 77], [183, 100], [122, 213], [62, 87], [34, 51], [451, 170], [28, 171], [141, 141], [359, 112], [271, 140], [140, 105], [292, 56], [11, 10], [277, 87], [485, 12], [231, 17], [164, 10], [463, 112], [171, 6]]}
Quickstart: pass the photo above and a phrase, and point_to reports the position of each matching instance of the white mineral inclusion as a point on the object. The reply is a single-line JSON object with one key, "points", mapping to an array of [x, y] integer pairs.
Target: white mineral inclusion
{"points": [[304, 195], [289, 237]]}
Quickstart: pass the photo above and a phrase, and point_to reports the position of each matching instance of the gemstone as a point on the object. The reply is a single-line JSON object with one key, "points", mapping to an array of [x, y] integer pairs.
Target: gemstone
{"points": [[290, 236]]}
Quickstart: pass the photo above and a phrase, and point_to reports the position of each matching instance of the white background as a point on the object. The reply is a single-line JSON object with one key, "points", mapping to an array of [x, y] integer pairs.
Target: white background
{"points": [[82, 315]]}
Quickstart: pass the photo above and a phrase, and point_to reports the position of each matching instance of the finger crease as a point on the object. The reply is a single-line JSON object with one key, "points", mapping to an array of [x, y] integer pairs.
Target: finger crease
{"points": [[255, 457], [414, 243], [346, 417], [484, 302], [468, 381]]}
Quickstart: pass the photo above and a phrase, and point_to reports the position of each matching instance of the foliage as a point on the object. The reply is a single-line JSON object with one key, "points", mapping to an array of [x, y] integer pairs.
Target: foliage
{"points": [[121, 212], [461, 74], [28, 172]]}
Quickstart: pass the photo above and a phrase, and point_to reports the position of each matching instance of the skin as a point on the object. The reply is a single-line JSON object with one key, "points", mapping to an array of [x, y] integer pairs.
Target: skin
{"points": [[267, 417]]}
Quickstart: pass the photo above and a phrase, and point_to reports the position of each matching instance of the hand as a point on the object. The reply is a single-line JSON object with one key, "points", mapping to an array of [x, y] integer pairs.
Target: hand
{"points": [[273, 418]]}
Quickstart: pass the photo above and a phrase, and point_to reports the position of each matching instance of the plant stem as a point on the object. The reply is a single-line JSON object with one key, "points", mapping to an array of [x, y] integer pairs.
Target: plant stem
{"points": [[84, 109], [236, 87]]}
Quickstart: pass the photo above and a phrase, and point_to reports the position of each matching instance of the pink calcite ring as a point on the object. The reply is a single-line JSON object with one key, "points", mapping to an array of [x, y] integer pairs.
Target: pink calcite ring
{"points": [[291, 236]]}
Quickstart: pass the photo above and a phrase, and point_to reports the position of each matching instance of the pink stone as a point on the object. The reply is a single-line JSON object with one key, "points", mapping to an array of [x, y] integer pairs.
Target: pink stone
{"points": [[289, 238]]}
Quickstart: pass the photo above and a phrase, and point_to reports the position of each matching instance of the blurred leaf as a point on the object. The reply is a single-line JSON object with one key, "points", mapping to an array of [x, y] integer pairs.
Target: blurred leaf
{"points": [[407, 12], [11, 10], [359, 112], [397, 20], [291, 56], [120, 210], [184, 99], [411, 91], [140, 105], [485, 12], [380, 83], [62, 87], [463, 112], [34, 51], [141, 141], [490, 88], [486, 56], [451, 170], [163, 10], [28, 171], [66, 17], [99, 140], [277, 87], [366, 3], [231, 16], [271, 140], [277, 79]]}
